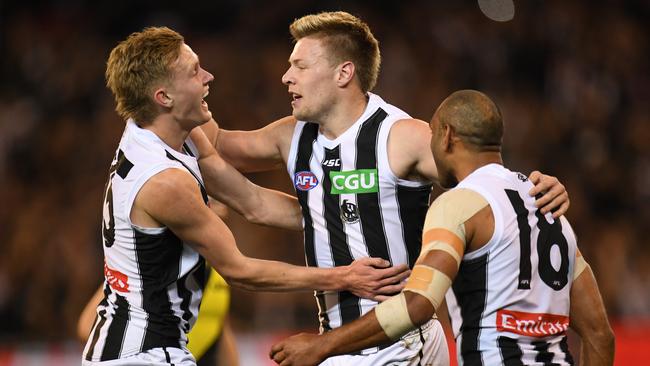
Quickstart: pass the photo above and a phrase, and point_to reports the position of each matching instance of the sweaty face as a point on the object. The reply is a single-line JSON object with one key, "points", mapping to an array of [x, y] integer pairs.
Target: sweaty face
{"points": [[445, 172], [188, 87], [311, 80]]}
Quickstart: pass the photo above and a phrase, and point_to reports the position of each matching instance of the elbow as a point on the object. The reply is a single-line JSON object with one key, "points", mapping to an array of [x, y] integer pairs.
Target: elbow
{"points": [[239, 278], [254, 216], [420, 309]]}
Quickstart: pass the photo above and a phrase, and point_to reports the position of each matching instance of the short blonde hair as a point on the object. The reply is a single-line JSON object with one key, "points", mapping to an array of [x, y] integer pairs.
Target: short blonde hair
{"points": [[139, 64], [348, 38]]}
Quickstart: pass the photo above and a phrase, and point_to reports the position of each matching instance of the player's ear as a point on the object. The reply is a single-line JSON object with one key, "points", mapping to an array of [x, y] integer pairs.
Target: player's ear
{"points": [[345, 73], [447, 137], [161, 98]]}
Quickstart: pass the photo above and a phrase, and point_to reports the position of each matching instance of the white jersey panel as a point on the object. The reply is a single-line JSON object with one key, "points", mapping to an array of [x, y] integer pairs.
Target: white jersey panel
{"points": [[510, 300]]}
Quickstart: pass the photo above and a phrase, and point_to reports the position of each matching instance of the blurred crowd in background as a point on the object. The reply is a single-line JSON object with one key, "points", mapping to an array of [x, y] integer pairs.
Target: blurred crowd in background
{"points": [[569, 77]]}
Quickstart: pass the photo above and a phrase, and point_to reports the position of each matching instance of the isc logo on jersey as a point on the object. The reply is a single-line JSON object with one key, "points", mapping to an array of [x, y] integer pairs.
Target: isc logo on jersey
{"points": [[354, 181], [305, 180]]}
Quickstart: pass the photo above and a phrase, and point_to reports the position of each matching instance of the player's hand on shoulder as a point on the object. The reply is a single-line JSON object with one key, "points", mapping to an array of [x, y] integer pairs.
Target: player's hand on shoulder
{"points": [[554, 197], [302, 349], [375, 279]]}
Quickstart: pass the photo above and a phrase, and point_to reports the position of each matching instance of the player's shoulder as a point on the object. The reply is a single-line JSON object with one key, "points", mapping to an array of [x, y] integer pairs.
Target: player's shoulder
{"points": [[411, 131], [410, 124], [170, 182], [457, 198]]}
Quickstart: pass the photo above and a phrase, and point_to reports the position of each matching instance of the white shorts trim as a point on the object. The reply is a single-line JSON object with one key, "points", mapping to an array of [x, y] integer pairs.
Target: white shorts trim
{"points": [[163, 356]]}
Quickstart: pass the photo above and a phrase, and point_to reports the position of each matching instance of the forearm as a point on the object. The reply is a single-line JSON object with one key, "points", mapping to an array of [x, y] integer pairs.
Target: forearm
{"points": [[597, 350], [257, 204], [360, 334], [258, 274], [236, 148], [276, 209]]}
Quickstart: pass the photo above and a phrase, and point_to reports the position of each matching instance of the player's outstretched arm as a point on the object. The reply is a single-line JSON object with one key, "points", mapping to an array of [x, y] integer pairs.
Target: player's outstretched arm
{"points": [[443, 246], [172, 198], [253, 151], [257, 204], [589, 319]]}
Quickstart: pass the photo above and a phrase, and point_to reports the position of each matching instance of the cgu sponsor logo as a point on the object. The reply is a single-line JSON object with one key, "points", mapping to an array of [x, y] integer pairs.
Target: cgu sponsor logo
{"points": [[531, 324], [305, 180], [116, 279], [354, 181]]}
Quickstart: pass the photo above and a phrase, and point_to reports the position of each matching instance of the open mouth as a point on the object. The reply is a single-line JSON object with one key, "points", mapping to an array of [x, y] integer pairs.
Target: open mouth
{"points": [[203, 102], [295, 98]]}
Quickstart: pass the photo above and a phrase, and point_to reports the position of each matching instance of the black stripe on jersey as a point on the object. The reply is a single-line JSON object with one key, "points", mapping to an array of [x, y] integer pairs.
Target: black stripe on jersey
{"points": [[116, 330], [123, 165], [510, 352], [158, 259], [204, 193], [470, 289], [303, 156], [186, 295], [524, 239], [413, 203], [102, 319], [564, 346], [368, 203], [348, 303], [543, 354], [187, 149]]}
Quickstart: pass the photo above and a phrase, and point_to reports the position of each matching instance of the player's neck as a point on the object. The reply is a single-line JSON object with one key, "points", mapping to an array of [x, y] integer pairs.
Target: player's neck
{"points": [[169, 131], [474, 161], [343, 115]]}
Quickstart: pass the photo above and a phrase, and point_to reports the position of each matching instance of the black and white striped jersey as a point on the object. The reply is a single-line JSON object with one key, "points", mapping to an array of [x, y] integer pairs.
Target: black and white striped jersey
{"points": [[353, 205], [509, 303], [153, 281]]}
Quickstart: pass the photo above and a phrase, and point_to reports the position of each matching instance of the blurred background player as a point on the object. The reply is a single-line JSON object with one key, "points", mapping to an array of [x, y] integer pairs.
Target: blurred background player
{"points": [[517, 278]]}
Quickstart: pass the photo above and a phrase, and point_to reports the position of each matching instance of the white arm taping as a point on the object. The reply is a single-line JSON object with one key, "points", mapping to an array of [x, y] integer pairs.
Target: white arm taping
{"points": [[450, 211], [428, 282], [393, 317]]}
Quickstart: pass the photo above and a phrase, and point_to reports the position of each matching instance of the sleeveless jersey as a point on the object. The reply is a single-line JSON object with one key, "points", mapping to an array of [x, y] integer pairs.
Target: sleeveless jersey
{"points": [[509, 303], [153, 281], [353, 205]]}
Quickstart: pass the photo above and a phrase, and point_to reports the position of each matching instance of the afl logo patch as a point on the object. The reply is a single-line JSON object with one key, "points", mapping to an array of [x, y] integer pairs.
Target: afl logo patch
{"points": [[305, 180]]}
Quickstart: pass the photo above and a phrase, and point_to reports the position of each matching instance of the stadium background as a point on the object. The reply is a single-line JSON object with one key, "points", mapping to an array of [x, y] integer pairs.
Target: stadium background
{"points": [[569, 77]]}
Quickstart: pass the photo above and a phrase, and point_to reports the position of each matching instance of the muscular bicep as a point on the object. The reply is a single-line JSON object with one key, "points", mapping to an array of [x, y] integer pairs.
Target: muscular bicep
{"points": [[173, 199], [264, 149], [587, 311], [409, 151]]}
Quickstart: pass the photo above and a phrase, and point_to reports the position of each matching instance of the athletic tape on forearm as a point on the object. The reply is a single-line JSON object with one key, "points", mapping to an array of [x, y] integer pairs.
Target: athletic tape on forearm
{"points": [[428, 282], [393, 317]]}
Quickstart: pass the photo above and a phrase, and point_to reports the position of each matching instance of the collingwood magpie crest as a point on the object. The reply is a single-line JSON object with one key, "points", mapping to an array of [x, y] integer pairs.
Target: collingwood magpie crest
{"points": [[349, 212]]}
